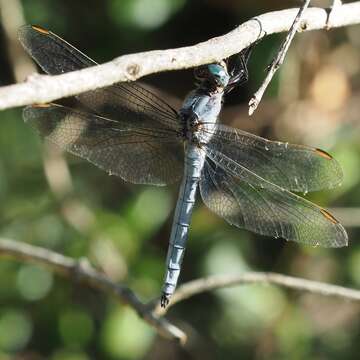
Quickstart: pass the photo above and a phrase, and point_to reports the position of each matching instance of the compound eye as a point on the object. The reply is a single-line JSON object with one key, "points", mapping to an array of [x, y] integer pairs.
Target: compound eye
{"points": [[201, 72]]}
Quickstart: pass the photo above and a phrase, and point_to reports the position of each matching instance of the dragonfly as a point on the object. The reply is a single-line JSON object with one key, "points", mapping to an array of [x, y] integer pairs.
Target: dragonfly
{"points": [[128, 131]]}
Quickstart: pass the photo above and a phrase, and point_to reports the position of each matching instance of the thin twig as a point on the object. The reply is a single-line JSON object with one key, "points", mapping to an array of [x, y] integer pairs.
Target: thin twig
{"points": [[56, 169], [84, 272], [278, 60], [198, 286], [42, 89], [12, 17]]}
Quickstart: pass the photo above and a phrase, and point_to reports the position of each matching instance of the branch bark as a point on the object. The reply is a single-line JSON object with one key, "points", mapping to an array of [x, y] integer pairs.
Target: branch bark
{"points": [[84, 272], [278, 60], [221, 281], [42, 88]]}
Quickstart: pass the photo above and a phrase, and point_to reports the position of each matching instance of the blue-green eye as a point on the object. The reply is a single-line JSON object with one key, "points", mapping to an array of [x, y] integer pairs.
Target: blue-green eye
{"points": [[216, 69], [219, 73]]}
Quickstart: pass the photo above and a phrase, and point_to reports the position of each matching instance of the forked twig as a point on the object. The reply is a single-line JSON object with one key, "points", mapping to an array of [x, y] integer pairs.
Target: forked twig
{"points": [[42, 88], [278, 60], [84, 272]]}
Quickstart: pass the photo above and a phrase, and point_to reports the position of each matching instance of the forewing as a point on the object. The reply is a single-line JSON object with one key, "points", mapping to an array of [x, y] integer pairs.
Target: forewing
{"points": [[250, 202], [124, 100], [53, 54], [138, 155], [293, 167]]}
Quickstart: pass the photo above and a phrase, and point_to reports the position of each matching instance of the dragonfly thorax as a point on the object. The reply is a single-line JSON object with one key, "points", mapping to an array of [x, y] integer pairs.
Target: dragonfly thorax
{"points": [[200, 111], [192, 124]]}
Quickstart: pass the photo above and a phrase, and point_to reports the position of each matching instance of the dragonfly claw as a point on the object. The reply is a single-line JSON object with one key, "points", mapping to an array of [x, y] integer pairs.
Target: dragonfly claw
{"points": [[164, 301]]}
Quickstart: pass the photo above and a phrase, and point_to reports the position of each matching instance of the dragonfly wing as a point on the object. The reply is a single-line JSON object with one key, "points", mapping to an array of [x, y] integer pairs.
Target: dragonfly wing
{"points": [[248, 201], [138, 155], [132, 102], [293, 167], [53, 54], [124, 100]]}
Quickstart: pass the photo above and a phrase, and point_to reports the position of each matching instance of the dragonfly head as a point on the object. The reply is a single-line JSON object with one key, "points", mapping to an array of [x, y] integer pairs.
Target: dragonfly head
{"points": [[213, 75]]}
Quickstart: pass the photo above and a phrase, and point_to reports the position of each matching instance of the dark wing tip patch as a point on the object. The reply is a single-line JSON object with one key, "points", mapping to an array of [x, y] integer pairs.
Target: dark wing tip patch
{"points": [[40, 29], [323, 154], [328, 216]]}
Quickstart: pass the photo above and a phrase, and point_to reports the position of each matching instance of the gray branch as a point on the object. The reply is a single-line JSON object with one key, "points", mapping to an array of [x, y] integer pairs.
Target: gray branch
{"points": [[221, 281], [43, 89], [83, 271], [278, 60]]}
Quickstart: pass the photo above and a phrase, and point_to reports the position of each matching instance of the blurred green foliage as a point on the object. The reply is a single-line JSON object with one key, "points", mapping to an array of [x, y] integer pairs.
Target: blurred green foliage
{"points": [[123, 229]]}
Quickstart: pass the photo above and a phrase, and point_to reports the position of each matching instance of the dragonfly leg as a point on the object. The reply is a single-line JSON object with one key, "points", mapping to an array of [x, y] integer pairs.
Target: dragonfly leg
{"points": [[239, 72], [237, 66], [165, 299]]}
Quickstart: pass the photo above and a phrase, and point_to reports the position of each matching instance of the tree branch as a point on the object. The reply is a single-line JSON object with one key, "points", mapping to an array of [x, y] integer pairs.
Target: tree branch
{"points": [[12, 17], [278, 60], [221, 281], [84, 272], [42, 88]]}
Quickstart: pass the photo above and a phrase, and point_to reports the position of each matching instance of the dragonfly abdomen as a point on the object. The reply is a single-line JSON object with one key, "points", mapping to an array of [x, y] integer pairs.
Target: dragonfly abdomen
{"points": [[194, 162]]}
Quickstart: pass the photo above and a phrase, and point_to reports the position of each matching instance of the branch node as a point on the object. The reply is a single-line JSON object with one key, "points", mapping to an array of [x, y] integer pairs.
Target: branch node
{"points": [[133, 70], [303, 26]]}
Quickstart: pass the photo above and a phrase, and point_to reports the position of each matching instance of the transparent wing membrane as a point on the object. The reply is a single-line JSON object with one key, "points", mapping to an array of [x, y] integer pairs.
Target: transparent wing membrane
{"points": [[124, 129], [248, 201], [53, 54], [56, 56], [293, 167], [137, 155]]}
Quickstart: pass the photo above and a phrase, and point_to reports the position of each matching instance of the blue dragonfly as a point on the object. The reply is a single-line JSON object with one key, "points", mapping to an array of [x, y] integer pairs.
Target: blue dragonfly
{"points": [[130, 132]]}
